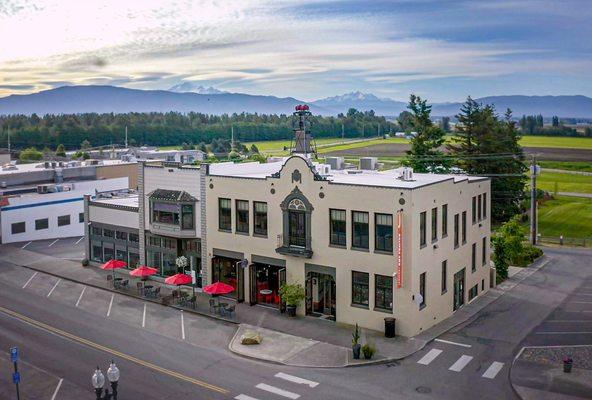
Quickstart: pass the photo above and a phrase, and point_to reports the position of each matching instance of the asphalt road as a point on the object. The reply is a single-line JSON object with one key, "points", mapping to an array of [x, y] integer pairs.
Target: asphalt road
{"points": [[64, 335]]}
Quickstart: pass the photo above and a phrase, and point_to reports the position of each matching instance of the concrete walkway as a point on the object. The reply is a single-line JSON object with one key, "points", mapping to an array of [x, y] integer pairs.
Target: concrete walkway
{"points": [[299, 341]]}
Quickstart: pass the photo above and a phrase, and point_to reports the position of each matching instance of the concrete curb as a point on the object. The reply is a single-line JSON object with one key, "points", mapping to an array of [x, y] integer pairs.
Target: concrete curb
{"points": [[127, 294]]}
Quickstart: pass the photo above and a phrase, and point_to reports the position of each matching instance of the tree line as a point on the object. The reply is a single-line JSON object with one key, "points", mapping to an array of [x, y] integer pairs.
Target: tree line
{"points": [[534, 125], [174, 129]]}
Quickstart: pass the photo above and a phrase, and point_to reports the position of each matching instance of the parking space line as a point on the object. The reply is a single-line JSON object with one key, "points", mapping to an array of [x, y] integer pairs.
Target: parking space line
{"points": [[79, 240], [430, 356], [295, 379], [244, 397], [53, 288], [26, 245], [182, 326], [460, 363], [454, 343], [110, 305], [30, 279], [52, 243], [80, 298], [493, 370], [278, 391], [57, 389], [144, 316]]}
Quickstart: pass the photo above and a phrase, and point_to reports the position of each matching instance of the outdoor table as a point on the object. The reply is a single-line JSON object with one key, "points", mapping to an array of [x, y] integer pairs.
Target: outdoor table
{"points": [[221, 307], [147, 289], [266, 292]]}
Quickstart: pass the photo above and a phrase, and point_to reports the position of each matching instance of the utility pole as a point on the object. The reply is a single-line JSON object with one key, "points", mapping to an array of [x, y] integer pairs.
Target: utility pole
{"points": [[342, 131], [126, 136], [8, 131], [533, 201]]}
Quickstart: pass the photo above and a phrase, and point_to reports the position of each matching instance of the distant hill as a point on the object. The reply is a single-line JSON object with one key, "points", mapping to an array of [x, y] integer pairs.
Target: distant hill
{"points": [[188, 96], [106, 99]]}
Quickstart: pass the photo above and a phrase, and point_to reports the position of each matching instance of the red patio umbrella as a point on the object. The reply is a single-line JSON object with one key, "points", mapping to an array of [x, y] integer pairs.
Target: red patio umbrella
{"points": [[178, 279], [113, 265], [143, 271], [218, 288]]}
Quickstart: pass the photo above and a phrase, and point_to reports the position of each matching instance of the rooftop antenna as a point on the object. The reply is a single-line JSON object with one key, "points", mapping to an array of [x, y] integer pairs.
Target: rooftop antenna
{"points": [[303, 141]]}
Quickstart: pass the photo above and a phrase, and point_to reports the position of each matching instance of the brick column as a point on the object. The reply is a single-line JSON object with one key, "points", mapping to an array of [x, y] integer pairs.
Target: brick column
{"points": [[141, 214], [204, 171]]}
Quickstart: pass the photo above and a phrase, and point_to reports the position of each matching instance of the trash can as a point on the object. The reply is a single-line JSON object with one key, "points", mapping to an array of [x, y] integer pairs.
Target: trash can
{"points": [[389, 327]]}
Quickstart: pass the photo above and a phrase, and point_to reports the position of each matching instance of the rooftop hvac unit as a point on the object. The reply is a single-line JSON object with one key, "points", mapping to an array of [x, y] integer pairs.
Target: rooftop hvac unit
{"points": [[406, 174], [336, 163], [42, 189], [368, 163]]}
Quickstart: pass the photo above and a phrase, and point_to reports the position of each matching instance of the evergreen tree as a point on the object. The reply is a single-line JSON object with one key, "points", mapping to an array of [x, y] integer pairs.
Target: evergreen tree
{"points": [[425, 154], [464, 142], [445, 124], [555, 121]]}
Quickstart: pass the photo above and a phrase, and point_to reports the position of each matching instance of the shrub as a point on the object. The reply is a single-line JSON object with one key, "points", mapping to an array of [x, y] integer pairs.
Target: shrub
{"points": [[292, 293], [85, 262], [356, 336], [368, 350]]}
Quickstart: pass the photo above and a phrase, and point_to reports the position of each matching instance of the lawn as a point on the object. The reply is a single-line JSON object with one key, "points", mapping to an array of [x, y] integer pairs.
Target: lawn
{"points": [[359, 145], [557, 142], [567, 165], [567, 216], [564, 182]]}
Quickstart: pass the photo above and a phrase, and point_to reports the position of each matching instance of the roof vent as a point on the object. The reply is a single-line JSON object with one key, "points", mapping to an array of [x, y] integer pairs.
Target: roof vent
{"points": [[406, 174]]}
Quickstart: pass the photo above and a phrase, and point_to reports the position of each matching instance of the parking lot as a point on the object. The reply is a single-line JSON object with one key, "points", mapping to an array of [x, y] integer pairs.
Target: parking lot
{"points": [[71, 248], [75, 297]]}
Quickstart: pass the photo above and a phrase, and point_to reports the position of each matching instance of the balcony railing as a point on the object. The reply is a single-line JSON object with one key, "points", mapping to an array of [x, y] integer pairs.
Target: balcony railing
{"points": [[297, 246]]}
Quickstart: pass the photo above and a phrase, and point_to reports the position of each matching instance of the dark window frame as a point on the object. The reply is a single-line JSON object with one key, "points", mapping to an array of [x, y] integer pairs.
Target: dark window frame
{"points": [[382, 292], [18, 227], [363, 228], [444, 220], [444, 276], [360, 289], [61, 219], [422, 229], [38, 221], [474, 210], [484, 198], [259, 219], [464, 227], [225, 215], [456, 230], [242, 216], [422, 289], [383, 242], [474, 257], [434, 215], [484, 251], [337, 238], [81, 218]]}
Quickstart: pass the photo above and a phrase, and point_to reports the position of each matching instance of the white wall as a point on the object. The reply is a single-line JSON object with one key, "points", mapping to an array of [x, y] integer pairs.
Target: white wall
{"points": [[30, 207]]}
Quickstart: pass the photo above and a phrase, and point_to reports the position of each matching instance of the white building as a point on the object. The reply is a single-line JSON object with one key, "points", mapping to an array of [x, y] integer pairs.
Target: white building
{"points": [[53, 211]]}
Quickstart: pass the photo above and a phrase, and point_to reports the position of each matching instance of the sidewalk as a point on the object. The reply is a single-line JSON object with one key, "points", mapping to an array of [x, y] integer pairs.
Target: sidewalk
{"points": [[299, 341]]}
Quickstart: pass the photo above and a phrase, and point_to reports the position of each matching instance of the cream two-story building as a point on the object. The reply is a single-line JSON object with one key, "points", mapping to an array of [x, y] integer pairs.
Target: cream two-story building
{"points": [[365, 244]]}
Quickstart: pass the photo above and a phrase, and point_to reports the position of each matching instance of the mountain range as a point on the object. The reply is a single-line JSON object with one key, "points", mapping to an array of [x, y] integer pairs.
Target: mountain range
{"points": [[187, 97]]}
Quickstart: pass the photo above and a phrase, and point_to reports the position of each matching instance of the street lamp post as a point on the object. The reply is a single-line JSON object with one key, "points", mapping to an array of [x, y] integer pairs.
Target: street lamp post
{"points": [[98, 381]]}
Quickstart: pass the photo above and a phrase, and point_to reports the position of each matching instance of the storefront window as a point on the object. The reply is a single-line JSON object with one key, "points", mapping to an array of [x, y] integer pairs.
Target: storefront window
{"points": [[108, 252], [224, 270], [97, 252], [154, 259], [260, 210], [360, 288], [121, 255], [268, 281], [383, 296], [134, 260], [168, 264]]}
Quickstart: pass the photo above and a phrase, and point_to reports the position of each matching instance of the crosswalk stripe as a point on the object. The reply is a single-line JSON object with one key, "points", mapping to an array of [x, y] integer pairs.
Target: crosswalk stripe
{"points": [[296, 379], [244, 397], [430, 356], [460, 363], [493, 370], [278, 391]]}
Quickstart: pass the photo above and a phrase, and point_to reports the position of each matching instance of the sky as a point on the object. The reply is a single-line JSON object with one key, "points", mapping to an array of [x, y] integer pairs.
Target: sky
{"points": [[443, 50]]}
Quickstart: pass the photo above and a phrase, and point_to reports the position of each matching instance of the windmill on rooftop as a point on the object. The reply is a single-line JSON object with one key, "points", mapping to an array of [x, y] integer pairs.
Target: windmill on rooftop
{"points": [[303, 142]]}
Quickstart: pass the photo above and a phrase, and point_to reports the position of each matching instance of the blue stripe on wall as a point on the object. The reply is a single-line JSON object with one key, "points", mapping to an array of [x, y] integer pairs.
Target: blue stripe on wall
{"points": [[45, 203]]}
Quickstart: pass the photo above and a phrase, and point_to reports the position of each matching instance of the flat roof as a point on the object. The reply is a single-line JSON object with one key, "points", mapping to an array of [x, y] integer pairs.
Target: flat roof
{"points": [[130, 200], [387, 178], [37, 167]]}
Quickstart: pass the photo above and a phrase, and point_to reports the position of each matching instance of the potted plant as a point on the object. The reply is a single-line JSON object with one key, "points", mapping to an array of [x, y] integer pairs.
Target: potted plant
{"points": [[292, 294], [85, 262], [369, 350], [356, 343], [567, 364]]}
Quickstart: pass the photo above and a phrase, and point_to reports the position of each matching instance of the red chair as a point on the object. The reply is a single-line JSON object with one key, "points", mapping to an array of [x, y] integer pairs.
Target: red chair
{"points": [[277, 299]]}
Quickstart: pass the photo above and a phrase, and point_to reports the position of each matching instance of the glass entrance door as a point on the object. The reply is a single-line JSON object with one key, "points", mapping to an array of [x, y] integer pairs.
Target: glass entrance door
{"points": [[320, 295], [459, 290]]}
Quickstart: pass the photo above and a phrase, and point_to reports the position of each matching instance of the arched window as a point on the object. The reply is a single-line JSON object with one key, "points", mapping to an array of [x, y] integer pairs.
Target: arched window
{"points": [[297, 204]]}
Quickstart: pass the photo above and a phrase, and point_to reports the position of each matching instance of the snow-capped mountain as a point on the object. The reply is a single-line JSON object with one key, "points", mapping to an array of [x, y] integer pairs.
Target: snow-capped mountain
{"points": [[193, 87], [361, 102]]}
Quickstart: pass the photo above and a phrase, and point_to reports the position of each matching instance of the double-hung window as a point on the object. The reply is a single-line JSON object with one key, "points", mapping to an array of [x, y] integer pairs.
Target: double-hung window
{"points": [[484, 251], [337, 226], [464, 227], [456, 230], [445, 220], [479, 208], [474, 209], [444, 276], [484, 205], [360, 288], [422, 229], [383, 232], [474, 257], [260, 214], [422, 289], [242, 216], [360, 230], [434, 224], [224, 214]]}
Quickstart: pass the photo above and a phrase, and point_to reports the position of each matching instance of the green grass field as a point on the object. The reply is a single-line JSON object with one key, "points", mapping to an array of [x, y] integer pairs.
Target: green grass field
{"points": [[567, 165], [557, 142], [564, 182], [567, 216]]}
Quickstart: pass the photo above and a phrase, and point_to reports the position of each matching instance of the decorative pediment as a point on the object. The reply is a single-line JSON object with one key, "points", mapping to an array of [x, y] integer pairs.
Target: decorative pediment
{"points": [[296, 174]]}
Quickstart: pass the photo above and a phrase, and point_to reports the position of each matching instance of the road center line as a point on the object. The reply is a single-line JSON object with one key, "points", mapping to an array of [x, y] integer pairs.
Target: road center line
{"points": [[278, 391], [454, 343], [80, 297], [57, 389], [296, 379], [79, 240], [144, 316], [96, 346], [460, 363], [30, 279], [52, 243], [182, 326], [53, 288], [26, 245], [110, 305]]}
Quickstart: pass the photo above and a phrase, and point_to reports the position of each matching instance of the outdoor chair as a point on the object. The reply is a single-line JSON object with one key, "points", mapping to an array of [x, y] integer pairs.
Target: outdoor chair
{"points": [[229, 310], [109, 278], [139, 286], [213, 306], [157, 292], [193, 301]]}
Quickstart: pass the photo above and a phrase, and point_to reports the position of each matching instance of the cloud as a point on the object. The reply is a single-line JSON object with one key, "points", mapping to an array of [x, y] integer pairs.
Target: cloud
{"points": [[17, 87]]}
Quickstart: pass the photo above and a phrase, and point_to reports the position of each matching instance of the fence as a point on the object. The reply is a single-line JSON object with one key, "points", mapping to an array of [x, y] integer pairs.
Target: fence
{"points": [[566, 241]]}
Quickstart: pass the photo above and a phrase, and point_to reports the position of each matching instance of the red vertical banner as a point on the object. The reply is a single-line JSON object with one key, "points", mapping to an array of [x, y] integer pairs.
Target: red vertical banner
{"points": [[399, 249]]}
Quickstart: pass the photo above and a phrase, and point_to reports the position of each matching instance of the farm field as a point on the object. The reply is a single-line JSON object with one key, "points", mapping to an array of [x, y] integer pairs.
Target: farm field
{"points": [[564, 182], [557, 142], [567, 216]]}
